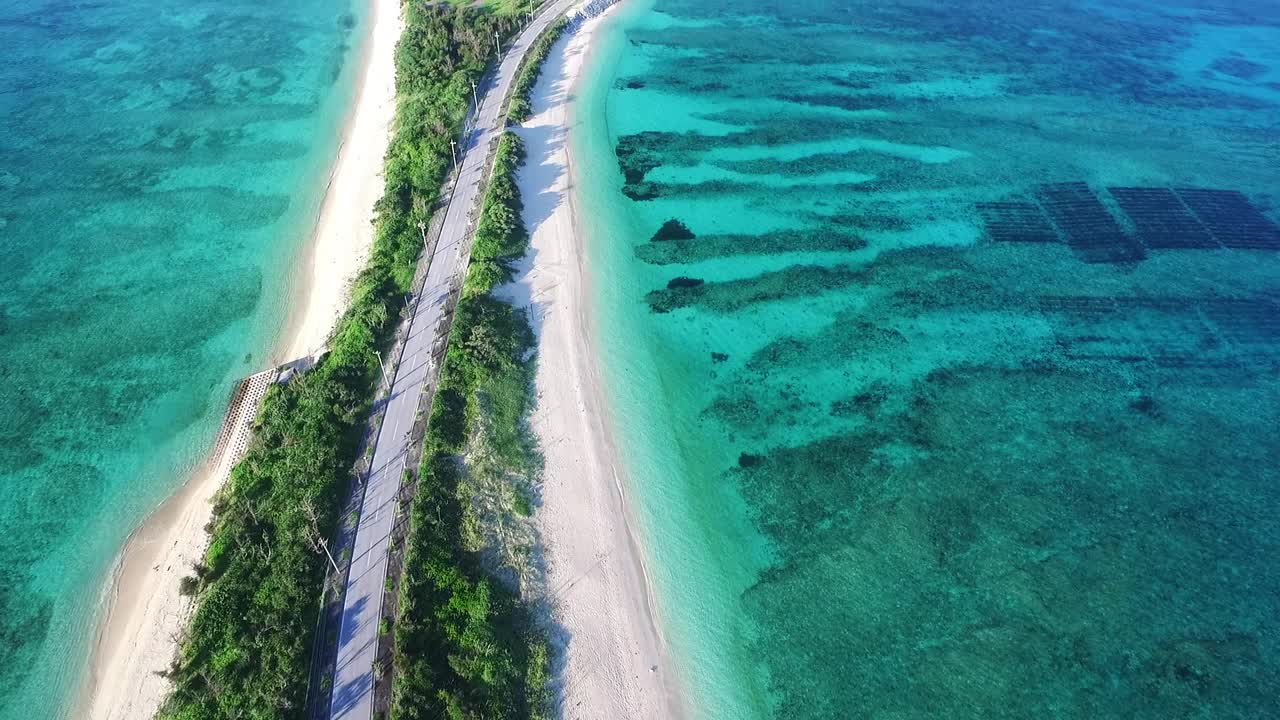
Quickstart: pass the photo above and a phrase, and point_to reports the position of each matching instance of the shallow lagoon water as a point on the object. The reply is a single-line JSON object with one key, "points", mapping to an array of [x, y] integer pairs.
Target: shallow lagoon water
{"points": [[160, 170], [961, 400]]}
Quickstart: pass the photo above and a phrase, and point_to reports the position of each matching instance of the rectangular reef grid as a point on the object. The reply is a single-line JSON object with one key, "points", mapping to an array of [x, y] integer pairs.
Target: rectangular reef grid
{"points": [[1016, 222], [1091, 231], [1162, 221], [1232, 219]]}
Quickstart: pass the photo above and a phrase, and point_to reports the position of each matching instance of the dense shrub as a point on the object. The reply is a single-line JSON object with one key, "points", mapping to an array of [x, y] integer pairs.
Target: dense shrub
{"points": [[520, 108]]}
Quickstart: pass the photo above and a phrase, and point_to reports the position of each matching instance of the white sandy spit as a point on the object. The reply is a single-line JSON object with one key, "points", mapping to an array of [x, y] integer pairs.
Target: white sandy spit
{"points": [[144, 612], [614, 657]]}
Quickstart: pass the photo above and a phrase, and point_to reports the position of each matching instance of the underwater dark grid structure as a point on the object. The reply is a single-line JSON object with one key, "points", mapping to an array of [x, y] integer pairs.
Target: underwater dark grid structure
{"points": [[1232, 219], [1162, 221], [1091, 231], [1016, 222]]}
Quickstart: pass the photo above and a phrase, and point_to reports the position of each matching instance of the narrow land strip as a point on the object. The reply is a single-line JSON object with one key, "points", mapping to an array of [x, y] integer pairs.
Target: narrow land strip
{"points": [[353, 678]]}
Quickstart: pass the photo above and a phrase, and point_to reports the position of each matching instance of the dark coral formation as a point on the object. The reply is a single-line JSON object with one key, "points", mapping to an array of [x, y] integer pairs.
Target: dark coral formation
{"points": [[727, 296], [862, 404], [767, 243], [672, 229], [640, 153], [684, 282]]}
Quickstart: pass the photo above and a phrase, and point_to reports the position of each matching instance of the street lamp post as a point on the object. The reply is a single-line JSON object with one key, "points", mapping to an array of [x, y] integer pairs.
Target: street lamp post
{"points": [[474, 97]]}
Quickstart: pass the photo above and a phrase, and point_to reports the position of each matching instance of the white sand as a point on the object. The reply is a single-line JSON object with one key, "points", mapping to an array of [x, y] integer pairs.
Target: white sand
{"points": [[615, 664], [144, 613]]}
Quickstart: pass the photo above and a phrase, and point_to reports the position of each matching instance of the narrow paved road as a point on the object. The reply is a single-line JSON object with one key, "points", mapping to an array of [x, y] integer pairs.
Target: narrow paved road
{"points": [[362, 599]]}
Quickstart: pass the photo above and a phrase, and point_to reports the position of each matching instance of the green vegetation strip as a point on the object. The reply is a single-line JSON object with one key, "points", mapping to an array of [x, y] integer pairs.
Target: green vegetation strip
{"points": [[466, 645], [247, 651], [520, 109], [503, 7]]}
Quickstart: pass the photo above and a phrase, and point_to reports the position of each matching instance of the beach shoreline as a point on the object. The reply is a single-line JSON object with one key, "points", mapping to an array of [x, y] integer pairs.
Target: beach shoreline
{"points": [[143, 614], [340, 246], [613, 657]]}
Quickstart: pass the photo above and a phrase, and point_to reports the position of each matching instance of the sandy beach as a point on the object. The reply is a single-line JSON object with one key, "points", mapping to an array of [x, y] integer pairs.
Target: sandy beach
{"points": [[614, 657], [143, 612]]}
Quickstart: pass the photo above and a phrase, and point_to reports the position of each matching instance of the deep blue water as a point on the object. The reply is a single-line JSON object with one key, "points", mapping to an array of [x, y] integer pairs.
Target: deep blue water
{"points": [[161, 165]]}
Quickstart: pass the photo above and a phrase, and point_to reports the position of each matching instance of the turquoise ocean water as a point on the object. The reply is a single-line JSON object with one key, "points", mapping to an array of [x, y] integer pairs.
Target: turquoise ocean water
{"points": [[161, 167], [955, 392]]}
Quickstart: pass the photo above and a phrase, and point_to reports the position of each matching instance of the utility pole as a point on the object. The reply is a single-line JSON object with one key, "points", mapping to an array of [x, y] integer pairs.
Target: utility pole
{"points": [[422, 228], [496, 43], [383, 367], [314, 536], [453, 148], [329, 555], [474, 97]]}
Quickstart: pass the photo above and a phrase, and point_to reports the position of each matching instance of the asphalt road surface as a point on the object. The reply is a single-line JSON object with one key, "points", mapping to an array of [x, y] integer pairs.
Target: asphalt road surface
{"points": [[358, 634]]}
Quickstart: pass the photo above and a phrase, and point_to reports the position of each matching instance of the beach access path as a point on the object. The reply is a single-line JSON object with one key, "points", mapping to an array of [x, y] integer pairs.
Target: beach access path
{"points": [[353, 677]]}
